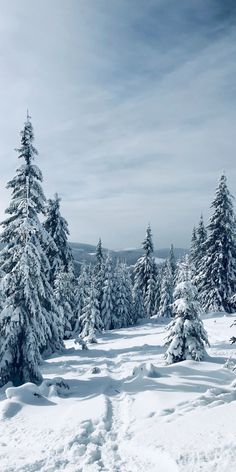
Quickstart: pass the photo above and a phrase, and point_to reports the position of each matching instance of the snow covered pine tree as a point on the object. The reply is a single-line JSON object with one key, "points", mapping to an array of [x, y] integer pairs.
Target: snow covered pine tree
{"points": [[145, 272], [108, 314], [123, 301], [166, 296], [29, 320], [217, 272], [186, 334], [62, 273], [90, 320], [99, 271]]}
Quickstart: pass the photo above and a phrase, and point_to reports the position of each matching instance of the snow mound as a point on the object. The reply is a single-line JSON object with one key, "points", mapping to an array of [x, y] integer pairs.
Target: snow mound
{"points": [[56, 387], [146, 370]]}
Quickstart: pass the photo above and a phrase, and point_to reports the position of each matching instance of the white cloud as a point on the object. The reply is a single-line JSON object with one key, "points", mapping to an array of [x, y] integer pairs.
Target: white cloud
{"points": [[133, 108]]}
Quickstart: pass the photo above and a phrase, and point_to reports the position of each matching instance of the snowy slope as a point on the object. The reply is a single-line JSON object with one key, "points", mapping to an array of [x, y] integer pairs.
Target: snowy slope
{"points": [[132, 413]]}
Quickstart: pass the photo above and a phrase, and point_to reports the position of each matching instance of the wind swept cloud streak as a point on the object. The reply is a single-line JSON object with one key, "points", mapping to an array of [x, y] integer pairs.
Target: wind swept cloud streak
{"points": [[133, 105]]}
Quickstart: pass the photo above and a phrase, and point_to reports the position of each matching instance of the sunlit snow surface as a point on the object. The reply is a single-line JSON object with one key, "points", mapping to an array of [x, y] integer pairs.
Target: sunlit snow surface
{"points": [[124, 410]]}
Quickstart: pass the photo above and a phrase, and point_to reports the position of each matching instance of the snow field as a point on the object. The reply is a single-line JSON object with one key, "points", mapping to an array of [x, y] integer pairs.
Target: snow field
{"points": [[119, 408]]}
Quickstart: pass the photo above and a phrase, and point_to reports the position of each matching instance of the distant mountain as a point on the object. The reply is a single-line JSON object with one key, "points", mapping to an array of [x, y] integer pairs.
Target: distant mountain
{"points": [[86, 252]]}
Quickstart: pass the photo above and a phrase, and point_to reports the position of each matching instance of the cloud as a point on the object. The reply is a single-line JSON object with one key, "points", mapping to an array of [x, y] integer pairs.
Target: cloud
{"points": [[133, 105]]}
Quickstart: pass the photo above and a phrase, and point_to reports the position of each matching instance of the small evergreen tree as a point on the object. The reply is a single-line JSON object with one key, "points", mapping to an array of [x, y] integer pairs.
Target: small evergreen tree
{"points": [[145, 269], [123, 301], [29, 320], [66, 296], [57, 227], [83, 290], [201, 236], [157, 291], [193, 256], [217, 271], [109, 296], [166, 299], [90, 320], [62, 273], [138, 310], [99, 271], [186, 334], [172, 261], [149, 301]]}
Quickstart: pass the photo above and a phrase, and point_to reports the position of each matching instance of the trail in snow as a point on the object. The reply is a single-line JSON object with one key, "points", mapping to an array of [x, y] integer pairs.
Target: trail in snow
{"points": [[124, 410]]}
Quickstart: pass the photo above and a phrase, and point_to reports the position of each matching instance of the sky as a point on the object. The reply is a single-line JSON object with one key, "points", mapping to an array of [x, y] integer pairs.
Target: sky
{"points": [[133, 104]]}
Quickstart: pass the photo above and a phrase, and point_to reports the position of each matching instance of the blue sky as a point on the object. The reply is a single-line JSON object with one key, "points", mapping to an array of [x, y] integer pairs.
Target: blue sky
{"points": [[133, 105]]}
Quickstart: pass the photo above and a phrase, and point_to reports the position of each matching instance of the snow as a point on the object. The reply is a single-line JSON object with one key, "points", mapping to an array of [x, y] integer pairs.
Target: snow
{"points": [[119, 408]]}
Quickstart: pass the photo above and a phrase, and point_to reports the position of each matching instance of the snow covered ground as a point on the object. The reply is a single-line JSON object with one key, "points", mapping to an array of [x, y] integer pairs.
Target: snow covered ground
{"points": [[124, 410]]}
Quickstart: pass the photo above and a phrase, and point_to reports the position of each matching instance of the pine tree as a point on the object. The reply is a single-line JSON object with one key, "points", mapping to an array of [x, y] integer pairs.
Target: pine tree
{"points": [[29, 320], [186, 335], [217, 272], [109, 296], [138, 310], [91, 322], [201, 235], [193, 256], [83, 290], [62, 274], [172, 261], [145, 268], [157, 291], [149, 301], [66, 296], [99, 271], [57, 227], [123, 301], [167, 286]]}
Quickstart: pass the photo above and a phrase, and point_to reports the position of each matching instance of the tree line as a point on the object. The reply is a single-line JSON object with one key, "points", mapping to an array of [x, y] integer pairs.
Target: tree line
{"points": [[43, 301]]}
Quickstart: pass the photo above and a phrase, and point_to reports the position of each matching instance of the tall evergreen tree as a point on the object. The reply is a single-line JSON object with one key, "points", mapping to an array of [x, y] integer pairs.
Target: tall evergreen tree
{"points": [[62, 273], [145, 269], [123, 300], [149, 300], [57, 227], [172, 261], [83, 290], [157, 291], [29, 320], [186, 335], [99, 271], [201, 237], [217, 272], [66, 296], [138, 310], [193, 255], [167, 287], [108, 313], [91, 322]]}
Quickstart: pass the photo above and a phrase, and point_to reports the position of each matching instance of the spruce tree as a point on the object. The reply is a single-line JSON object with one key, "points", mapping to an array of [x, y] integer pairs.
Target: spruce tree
{"points": [[90, 320], [138, 311], [57, 227], [109, 295], [193, 255], [99, 271], [62, 274], [83, 290], [157, 291], [186, 335], [217, 272], [172, 261], [166, 297], [123, 300], [66, 296], [29, 319], [145, 269], [149, 300]]}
